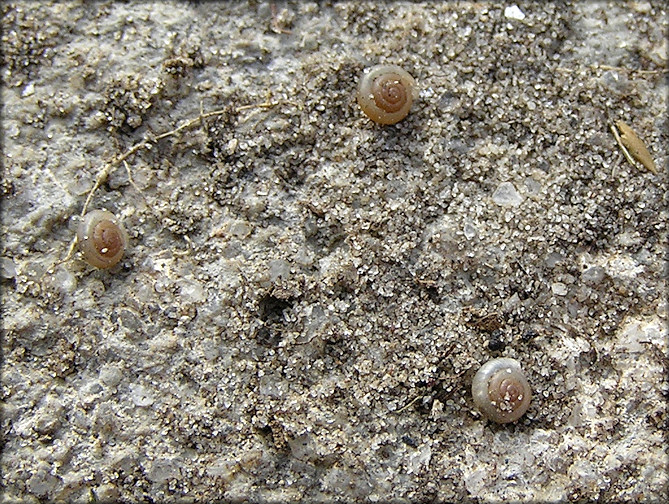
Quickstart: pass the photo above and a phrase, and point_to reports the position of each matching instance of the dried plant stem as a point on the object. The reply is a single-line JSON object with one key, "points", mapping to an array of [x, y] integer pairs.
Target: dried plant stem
{"points": [[147, 143]]}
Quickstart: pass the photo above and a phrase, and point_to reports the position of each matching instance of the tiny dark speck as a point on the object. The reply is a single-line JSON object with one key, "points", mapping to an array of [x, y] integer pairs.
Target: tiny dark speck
{"points": [[529, 335], [496, 343]]}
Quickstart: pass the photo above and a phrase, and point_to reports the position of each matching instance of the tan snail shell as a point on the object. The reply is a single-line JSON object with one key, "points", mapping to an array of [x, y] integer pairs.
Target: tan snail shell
{"points": [[102, 239], [501, 391], [386, 92]]}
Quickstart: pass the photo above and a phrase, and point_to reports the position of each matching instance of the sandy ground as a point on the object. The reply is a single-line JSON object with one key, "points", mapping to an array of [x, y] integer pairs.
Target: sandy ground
{"points": [[308, 295]]}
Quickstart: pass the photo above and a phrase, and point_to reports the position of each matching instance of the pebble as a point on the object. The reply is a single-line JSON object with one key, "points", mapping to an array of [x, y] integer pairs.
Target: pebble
{"points": [[506, 195], [514, 12], [559, 289]]}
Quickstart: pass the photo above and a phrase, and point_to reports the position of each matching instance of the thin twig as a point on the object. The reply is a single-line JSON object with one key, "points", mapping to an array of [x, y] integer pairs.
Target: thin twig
{"points": [[410, 404], [147, 143]]}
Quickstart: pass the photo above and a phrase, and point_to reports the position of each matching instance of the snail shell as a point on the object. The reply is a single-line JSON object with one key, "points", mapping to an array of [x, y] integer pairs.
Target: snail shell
{"points": [[102, 239], [386, 92], [501, 391]]}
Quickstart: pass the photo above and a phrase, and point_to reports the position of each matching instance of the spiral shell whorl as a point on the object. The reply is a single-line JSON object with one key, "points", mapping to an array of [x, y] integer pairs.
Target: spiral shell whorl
{"points": [[501, 391], [385, 94], [102, 239], [389, 93]]}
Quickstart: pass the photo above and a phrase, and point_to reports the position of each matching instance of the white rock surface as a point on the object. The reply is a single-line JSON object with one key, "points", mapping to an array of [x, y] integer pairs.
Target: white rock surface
{"points": [[307, 295]]}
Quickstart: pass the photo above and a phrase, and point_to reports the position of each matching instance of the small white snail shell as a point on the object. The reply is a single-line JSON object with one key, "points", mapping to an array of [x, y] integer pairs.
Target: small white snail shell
{"points": [[101, 238], [501, 391]]}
